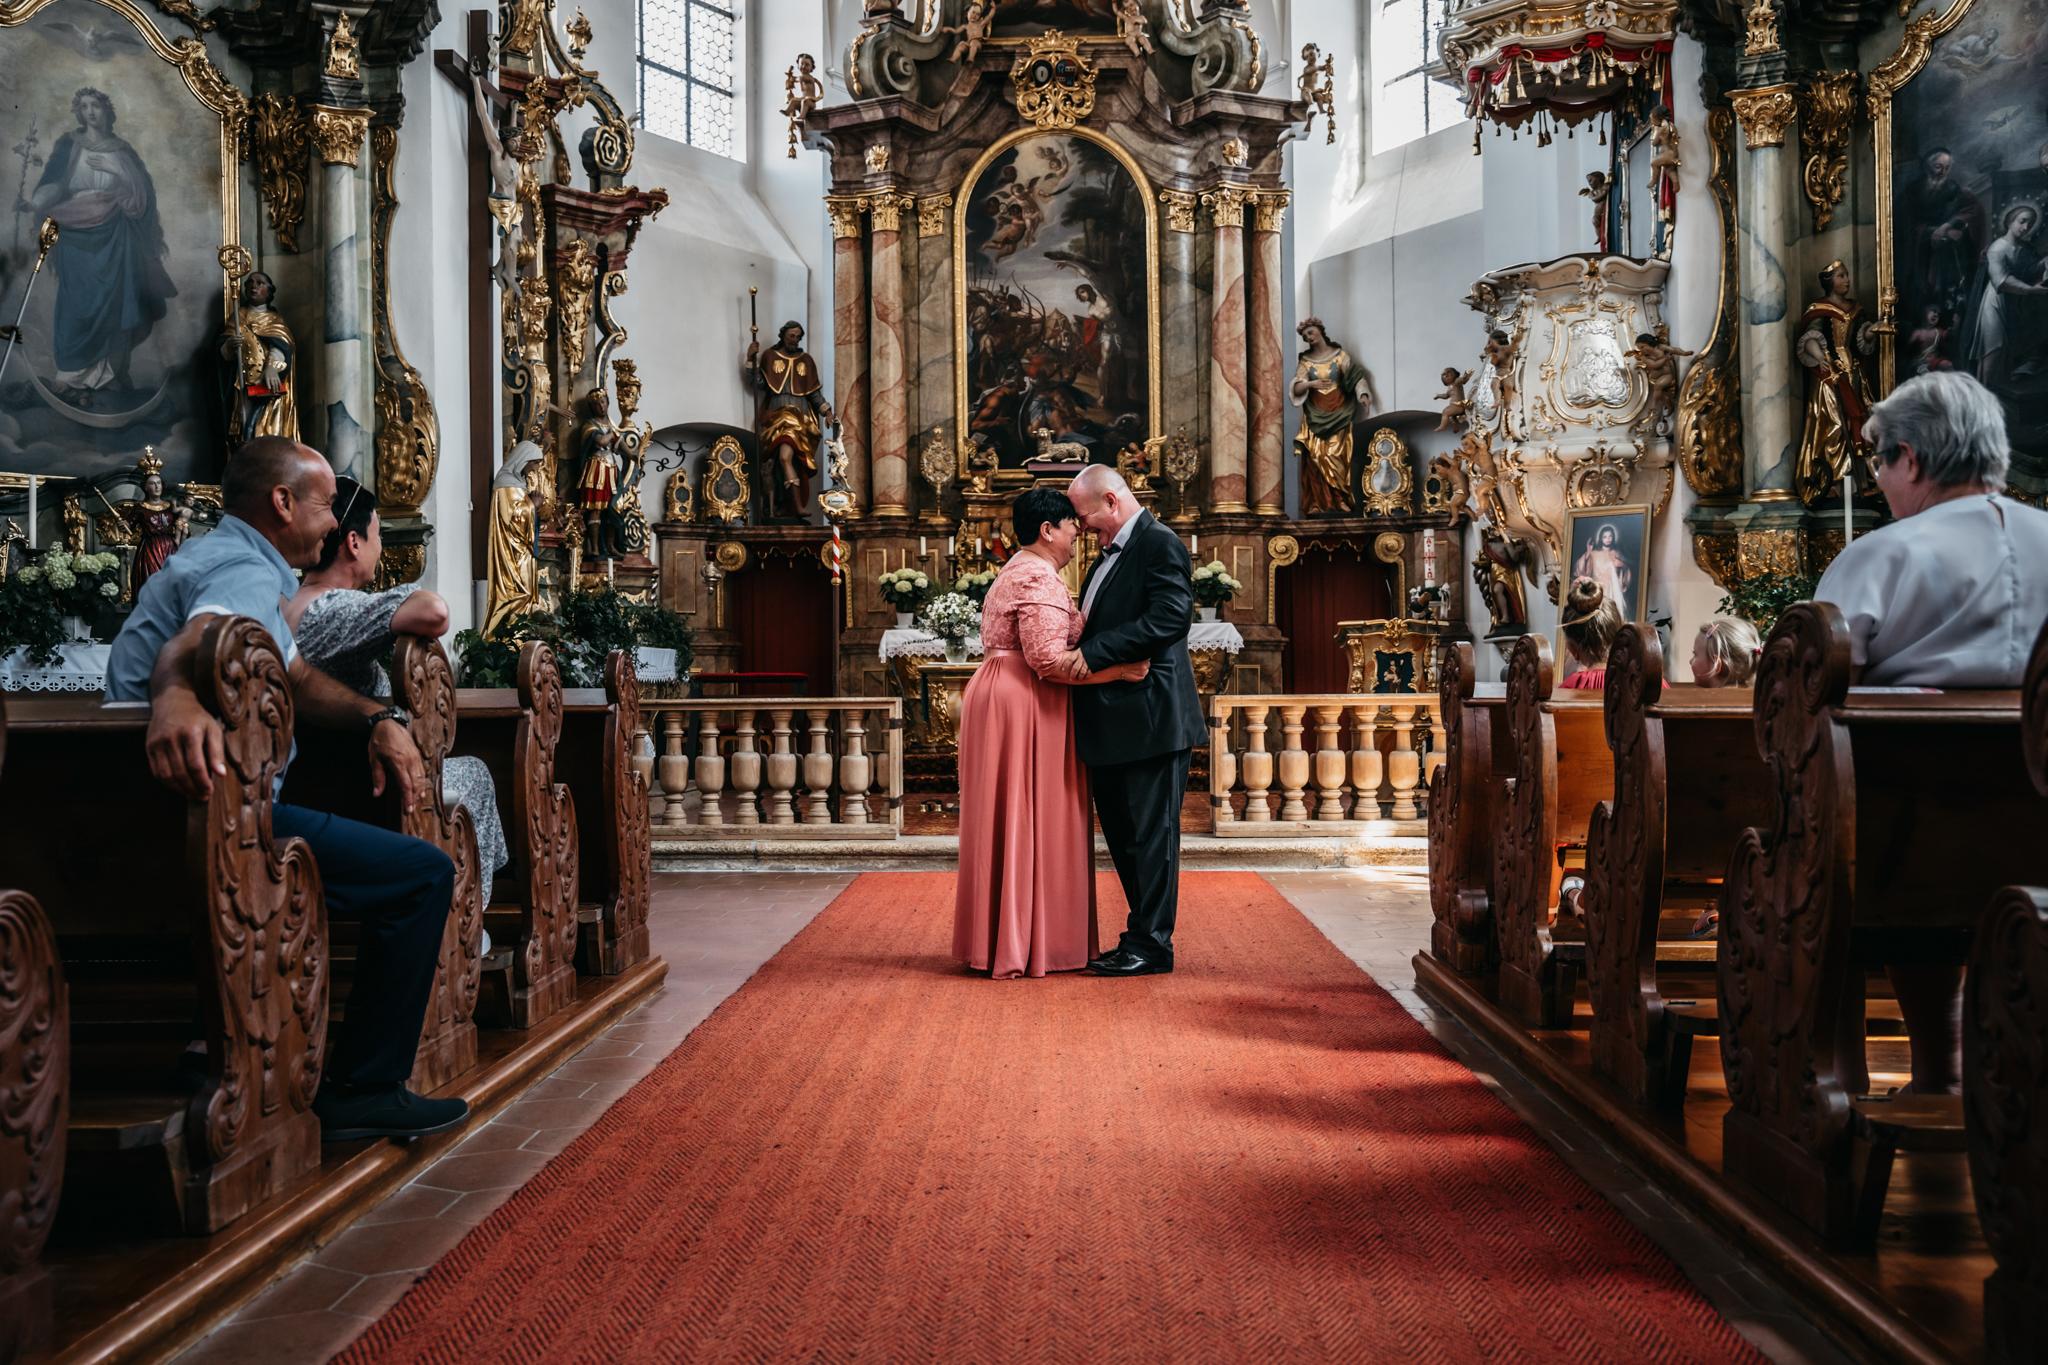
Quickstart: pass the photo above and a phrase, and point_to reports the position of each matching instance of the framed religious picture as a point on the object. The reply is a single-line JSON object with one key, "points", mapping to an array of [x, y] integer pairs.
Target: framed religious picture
{"points": [[1611, 546], [126, 142], [1961, 138], [1056, 302]]}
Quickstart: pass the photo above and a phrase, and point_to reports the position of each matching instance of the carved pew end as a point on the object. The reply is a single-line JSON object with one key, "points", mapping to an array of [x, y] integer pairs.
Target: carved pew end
{"points": [[1885, 1125]]}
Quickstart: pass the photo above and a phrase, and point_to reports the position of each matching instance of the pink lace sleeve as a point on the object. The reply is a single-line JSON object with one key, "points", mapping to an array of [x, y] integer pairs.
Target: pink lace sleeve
{"points": [[1045, 617]]}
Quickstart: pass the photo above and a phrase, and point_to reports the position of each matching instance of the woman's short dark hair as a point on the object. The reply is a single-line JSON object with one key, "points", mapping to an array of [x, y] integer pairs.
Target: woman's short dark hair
{"points": [[1037, 508], [354, 505]]}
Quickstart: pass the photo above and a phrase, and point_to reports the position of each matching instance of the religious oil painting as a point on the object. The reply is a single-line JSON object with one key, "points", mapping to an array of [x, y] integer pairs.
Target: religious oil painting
{"points": [[105, 139], [1970, 185], [1610, 545], [1029, 18], [1057, 301]]}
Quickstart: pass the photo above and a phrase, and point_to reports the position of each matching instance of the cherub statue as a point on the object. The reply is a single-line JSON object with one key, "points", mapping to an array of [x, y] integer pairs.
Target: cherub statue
{"points": [[1453, 418], [802, 91], [1657, 358], [1497, 572], [1130, 25], [1598, 188], [1500, 353], [1447, 470], [1318, 91], [981, 17]]}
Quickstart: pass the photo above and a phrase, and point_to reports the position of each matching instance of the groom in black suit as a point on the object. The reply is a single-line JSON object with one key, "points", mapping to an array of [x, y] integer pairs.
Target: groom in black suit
{"points": [[1136, 738]]}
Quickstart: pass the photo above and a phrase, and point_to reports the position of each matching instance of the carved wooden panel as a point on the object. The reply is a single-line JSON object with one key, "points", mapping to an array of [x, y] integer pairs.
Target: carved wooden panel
{"points": [[2034, 713], [424, 684], [1524, 850], [35, 1069], [1783, 961], [250, 1125], [2005, 1114], [544, 853], [1461, 819], [1625, 872], [628, 856]]}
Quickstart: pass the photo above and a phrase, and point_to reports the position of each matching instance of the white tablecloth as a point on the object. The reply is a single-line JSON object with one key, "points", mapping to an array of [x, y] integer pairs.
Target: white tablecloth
{"points": [[922, 644], [1219, 635], [79, 668]]}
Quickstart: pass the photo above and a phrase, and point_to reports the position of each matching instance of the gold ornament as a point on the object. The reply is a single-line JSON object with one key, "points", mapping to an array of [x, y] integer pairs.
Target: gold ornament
{"points": [[1824, 129], [1053, 81], [1764, 113], [340, 133]]}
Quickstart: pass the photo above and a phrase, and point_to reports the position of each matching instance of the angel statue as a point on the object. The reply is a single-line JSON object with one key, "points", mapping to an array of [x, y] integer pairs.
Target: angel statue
{"points": [[981, 17]]}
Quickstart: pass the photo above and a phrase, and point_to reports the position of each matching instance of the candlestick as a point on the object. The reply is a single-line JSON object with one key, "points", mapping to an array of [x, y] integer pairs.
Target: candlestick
{"points": [[31, 511], [611, 573], [1849, 503], [949, 547], [920, 547]]}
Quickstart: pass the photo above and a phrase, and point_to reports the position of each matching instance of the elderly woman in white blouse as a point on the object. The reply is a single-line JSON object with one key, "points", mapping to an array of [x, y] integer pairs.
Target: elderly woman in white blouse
{"points": [[1950, 595]]}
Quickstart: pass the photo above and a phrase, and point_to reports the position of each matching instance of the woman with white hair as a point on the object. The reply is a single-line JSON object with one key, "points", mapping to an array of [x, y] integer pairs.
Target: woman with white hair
{"points": [[1952, 594]]}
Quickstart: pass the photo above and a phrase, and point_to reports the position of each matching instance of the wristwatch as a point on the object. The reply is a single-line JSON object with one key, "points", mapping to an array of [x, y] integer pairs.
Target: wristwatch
{"points": [[397, 713]]}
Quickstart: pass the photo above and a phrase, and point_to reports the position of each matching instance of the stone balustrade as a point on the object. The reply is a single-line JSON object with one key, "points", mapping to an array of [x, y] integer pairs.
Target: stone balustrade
{"points": [[773, 767], [1320, 765]]}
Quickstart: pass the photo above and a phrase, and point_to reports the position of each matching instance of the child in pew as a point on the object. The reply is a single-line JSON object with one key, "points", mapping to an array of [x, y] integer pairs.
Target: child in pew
{"points": [[1590, 622], [1725, 652]]}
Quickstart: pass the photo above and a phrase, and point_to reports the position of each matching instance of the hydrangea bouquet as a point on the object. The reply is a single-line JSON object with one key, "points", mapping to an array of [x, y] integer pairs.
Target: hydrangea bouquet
{"points": [[1213, 584], [974, 586], [36, 599], [905, 590]]}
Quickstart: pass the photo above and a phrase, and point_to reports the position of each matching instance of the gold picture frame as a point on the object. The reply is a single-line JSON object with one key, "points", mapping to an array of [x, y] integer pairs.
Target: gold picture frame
{"points": [[1633, 524], [1154, 361], [1393, 495]]}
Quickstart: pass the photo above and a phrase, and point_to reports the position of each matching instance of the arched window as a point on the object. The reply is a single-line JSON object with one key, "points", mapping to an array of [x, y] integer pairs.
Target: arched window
{"points": [[688, 58], [1408, 100]]}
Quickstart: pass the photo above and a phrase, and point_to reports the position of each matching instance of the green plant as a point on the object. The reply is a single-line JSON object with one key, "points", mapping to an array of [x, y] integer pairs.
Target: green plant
{"points": [[1763, 599], [974, 586], [36, 598], [905, 589], [583, 633]]}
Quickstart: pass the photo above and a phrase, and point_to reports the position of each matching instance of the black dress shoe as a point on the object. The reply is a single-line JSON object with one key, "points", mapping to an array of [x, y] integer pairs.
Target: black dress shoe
{"points": [[397, 1112], [1124, 962]]}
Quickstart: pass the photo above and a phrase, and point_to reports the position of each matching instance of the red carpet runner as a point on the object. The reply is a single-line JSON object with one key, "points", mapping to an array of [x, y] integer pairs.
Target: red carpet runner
{"points": [[866, 1154]]}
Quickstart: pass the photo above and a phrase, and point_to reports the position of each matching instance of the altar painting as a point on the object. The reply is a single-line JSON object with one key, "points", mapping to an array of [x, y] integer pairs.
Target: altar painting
{"points": [[1057, 301], [1969, 156], [101, 133], [1029, 18]]}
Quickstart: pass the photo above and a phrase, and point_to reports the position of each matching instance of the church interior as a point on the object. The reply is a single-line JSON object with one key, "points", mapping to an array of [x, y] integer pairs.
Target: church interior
{"points": [[683, 375]]}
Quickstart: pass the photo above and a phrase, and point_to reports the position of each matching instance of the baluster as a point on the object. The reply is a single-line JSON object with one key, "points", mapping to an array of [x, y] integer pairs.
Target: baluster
{"points": [[745, 769], [1257, 765], [818, 771], [1435, 761], [1222, 768], [710, 771], [781, 770], [1404, 765], [1329, 763], [855, 770], [1366, 766], [642, 762], [674, 765], [1293, 764]]}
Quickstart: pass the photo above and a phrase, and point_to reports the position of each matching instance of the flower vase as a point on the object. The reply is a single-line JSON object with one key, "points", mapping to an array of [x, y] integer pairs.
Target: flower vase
{"points": [[1205, 613], [76, 631], [905, 621], [956, 651]]}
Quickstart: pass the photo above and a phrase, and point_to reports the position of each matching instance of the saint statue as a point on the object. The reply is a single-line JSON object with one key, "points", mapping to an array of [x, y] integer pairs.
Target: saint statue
{"points": [[792, 412], [264, 362], [153, 524], [1833, 340], [1335, 393], [598, 480], [514, 578]]}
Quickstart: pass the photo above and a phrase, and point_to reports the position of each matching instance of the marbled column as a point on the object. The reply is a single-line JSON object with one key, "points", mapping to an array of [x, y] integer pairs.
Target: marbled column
{"points": [[1768, 205], [933, 401], [850, 340], [888, 375], [1268, 379], [345, 376], [1227, 413], [1183, 321]]}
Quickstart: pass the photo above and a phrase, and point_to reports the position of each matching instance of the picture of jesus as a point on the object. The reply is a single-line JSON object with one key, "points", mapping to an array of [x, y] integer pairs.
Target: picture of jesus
{"points": [[1610, 546]]}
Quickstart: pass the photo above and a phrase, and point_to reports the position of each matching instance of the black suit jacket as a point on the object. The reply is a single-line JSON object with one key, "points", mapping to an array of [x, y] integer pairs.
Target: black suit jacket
{"points": [[1143, 612]]}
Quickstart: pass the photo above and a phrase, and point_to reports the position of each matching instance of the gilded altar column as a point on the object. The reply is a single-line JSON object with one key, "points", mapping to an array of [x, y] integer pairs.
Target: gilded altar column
{"points": [[1227, 409], [1268, 378], [1765, 228], [888, 378], [1183, 322], [345, 376], [850, 339]]}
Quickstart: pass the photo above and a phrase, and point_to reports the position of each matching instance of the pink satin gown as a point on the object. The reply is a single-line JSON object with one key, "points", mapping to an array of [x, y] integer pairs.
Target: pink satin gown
{"points": [[1026, 900]]}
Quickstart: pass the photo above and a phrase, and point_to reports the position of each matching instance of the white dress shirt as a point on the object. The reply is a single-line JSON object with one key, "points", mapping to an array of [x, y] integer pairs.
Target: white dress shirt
{"points": [[1953, 596], [1109, 563]]}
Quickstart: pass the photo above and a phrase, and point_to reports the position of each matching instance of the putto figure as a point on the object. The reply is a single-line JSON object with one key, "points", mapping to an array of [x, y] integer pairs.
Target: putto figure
{"points": [[792, 414]]}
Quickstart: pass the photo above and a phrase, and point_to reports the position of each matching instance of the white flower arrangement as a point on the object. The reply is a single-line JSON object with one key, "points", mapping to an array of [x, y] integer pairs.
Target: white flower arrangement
{"points": [[905, 589], [951, 616], [975, 586], [1213, 584]]}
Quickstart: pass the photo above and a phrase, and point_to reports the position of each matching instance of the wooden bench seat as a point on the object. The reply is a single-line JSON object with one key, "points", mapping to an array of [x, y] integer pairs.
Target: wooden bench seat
{"points": [[595, 762], [1464, 804]]}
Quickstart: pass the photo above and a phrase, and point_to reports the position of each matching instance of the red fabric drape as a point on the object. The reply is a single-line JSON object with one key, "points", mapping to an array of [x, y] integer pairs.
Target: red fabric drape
{"points": [[781, 609], [1316, 592]]}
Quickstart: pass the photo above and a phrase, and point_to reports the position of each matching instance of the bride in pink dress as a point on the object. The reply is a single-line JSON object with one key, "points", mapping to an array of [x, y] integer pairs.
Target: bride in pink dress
{"points": [[1026, 902]]}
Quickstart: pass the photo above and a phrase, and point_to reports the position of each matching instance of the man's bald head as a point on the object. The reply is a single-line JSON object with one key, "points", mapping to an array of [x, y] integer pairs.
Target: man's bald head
{"points": [[285, 491], [1103, 499]]}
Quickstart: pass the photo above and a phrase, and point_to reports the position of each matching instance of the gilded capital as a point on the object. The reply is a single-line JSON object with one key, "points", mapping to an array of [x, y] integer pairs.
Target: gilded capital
{"points": [[1270, 210], [1226, 205], [340, 134], [1180, 209], [933, 211], [845, 212], [886, 210], [1764, 114]]}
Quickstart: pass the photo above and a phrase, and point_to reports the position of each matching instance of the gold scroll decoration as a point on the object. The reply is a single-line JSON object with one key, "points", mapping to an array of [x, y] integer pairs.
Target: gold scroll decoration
{"points": [[1824, 130], [1053, 81], [279, 139], [408, 442]]}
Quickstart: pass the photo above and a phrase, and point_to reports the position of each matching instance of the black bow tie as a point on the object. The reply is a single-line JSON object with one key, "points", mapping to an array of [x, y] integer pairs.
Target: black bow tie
{"points": [[1111, 549]]}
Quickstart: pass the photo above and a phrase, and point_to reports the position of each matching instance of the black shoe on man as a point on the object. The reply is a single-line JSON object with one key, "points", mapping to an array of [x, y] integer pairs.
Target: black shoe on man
{"points": [[1124, 962], [347, 1113]]}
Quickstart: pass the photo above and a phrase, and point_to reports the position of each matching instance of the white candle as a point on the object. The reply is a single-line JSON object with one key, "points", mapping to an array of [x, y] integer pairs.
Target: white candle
{"points": [[1429, 555], [611, 572], [949, 547], [920, 547], [31, 511], [1849, 503], [1195, 547]]}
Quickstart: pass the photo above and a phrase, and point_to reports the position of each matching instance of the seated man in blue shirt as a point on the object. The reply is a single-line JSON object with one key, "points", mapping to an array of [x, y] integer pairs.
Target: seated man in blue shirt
{"points": [[279, 498]]}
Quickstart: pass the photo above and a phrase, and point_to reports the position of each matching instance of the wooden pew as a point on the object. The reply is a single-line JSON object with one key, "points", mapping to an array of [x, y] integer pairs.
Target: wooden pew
{"points": [[1464, 805], [35, 1077], [2005, 1078], [332, 774], [1561, 766], [176, 920], [532, 918], [1687, 782], [595, 761], [1897, 812]]}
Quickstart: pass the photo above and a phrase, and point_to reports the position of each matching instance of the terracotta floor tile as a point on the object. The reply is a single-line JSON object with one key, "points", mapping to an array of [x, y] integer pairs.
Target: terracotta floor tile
{"points": [[501, 1170], [374, 1294], [413, 1201], [413, 1244], [298, 1337], [316, 1288]]}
